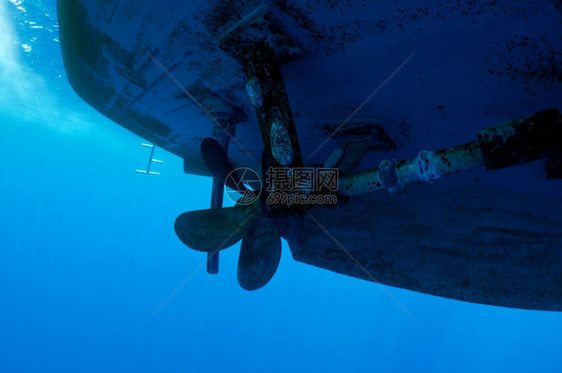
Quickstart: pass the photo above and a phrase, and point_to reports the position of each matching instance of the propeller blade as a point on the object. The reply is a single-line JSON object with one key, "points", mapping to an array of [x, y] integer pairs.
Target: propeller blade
{"points": [[260, 254], [221, 168], [215, 229]]}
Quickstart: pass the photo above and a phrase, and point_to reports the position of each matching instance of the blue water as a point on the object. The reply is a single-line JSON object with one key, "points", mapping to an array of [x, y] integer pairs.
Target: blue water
{"points": [[93, 277]]}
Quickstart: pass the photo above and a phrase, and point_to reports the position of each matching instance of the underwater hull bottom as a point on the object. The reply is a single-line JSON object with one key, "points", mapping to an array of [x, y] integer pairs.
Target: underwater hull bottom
{"points": [[473, 243]]}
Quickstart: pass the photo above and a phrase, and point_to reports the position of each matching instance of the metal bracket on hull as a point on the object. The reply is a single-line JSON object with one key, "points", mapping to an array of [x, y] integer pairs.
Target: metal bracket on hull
{"points": [[268, 94]]}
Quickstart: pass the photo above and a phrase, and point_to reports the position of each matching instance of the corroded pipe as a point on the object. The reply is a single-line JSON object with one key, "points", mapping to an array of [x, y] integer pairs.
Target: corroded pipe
{"points": [[508, 144], [427, 166]]}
